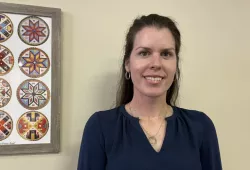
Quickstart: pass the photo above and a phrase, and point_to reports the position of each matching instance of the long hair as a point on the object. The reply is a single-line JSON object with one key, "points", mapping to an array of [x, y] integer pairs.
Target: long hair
{"points": [[125, 88]]}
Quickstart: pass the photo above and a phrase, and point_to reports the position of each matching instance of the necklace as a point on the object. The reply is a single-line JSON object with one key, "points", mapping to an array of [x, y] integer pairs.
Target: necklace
{"points": [[151, 138]]}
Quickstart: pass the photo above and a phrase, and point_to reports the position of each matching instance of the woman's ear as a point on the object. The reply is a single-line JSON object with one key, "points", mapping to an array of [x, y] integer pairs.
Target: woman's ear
{"points": [[127, 65]]}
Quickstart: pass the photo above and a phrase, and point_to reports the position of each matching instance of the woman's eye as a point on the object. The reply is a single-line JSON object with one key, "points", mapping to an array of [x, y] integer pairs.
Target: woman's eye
{"points": [[166, 53], [144, 53]]}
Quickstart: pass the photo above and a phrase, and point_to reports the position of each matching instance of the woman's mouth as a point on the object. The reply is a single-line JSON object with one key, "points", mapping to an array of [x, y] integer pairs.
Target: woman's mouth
{"points": [[153, 80]]}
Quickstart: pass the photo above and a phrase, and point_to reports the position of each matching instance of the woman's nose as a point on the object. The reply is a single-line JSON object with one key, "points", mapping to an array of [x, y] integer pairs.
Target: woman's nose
{"points": [[156, 61]]}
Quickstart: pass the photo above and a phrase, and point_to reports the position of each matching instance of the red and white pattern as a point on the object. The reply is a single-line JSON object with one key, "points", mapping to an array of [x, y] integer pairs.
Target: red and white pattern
{"points": [[5, 92], [33, 30], [6, 125], [32, 125], [6, 60]]}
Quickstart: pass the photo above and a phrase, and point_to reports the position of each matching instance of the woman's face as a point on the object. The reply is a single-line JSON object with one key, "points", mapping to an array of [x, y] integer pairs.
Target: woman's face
{"points": [[152, 62]]}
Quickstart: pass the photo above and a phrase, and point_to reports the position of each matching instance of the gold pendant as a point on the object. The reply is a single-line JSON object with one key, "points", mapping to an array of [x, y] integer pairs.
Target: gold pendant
{"points": [[152, 140]]}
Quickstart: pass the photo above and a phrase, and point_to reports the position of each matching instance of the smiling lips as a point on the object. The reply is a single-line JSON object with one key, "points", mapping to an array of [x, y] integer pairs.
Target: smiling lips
{"points": [[154, 79]]}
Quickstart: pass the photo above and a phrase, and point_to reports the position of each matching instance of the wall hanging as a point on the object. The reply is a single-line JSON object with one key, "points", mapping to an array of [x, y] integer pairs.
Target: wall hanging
{"points": [[30, 82]]}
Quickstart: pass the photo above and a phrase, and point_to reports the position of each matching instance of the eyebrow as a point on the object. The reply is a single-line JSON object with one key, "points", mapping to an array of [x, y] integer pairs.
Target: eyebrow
{"points": [[146, 48]]}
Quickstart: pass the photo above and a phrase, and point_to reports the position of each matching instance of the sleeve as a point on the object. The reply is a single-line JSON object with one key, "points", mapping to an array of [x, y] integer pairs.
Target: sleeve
{"points": [[92, 154], [209, 151]]}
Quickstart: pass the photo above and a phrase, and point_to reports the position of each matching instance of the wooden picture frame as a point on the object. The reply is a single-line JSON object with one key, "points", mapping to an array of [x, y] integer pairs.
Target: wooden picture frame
{"points": [[33, 127]]}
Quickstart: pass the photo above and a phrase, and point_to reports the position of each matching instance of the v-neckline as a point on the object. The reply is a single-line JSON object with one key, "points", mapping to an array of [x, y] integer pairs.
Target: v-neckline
{"points": [[148, 142], [164, 142], [167, 136]]}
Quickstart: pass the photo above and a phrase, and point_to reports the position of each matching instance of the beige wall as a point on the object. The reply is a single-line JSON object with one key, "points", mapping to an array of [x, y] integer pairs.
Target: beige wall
{"points": [[215, 69]]}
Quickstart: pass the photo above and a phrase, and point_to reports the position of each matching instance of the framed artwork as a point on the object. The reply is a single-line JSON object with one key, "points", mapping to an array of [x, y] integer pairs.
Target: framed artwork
{"points": [[30, 81]]}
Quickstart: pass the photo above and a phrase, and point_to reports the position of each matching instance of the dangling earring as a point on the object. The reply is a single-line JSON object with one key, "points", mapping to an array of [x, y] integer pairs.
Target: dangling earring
{"points": [[127, 75]]}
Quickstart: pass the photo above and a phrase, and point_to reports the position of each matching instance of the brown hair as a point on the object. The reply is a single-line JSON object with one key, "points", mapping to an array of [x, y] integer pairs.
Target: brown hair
{"points": [[125, 89]]}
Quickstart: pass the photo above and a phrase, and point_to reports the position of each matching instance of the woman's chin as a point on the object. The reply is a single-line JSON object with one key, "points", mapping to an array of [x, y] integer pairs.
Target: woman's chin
{"points": [[151, 92], [154, 94]]}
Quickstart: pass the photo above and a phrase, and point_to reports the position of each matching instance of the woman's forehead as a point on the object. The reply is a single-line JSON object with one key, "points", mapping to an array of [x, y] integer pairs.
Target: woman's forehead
{"points": [[154, 37]]}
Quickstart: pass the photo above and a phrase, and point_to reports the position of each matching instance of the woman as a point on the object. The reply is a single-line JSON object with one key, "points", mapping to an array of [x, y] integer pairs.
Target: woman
{"points": [[147, 131]]}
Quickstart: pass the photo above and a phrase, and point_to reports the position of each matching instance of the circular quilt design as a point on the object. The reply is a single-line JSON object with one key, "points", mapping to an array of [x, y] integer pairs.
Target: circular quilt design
{"points": [[6, 125], [33, 30], [33, 94], [5, 92], [6, 28], [34, 62], [6, 60], [32, 125]]}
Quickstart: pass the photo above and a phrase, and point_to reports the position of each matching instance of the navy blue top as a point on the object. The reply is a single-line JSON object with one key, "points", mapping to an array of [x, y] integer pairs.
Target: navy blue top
{"points": [[114, 140]]}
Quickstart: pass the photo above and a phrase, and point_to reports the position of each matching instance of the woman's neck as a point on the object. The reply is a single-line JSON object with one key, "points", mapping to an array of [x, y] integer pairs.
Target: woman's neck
{"points": [[149, 107]]}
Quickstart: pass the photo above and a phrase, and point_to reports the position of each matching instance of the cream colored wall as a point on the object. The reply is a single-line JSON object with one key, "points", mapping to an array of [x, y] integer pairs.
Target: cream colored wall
{"points": [[215, 69]]}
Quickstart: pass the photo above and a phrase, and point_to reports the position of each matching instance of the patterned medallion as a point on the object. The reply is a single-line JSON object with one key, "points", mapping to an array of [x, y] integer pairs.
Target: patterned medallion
{"points": [[6, 60], [33, 94], [6, 28], [6, 125], [33, 30], [34, 62], [5, 92], [32, 125]]}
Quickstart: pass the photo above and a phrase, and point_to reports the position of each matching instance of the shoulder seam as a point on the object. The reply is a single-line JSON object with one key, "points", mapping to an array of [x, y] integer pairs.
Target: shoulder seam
{"points": [[100, 128]]}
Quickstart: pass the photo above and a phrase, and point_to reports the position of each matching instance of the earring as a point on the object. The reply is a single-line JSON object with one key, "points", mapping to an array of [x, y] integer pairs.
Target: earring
{"points": [[127, 75]]}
